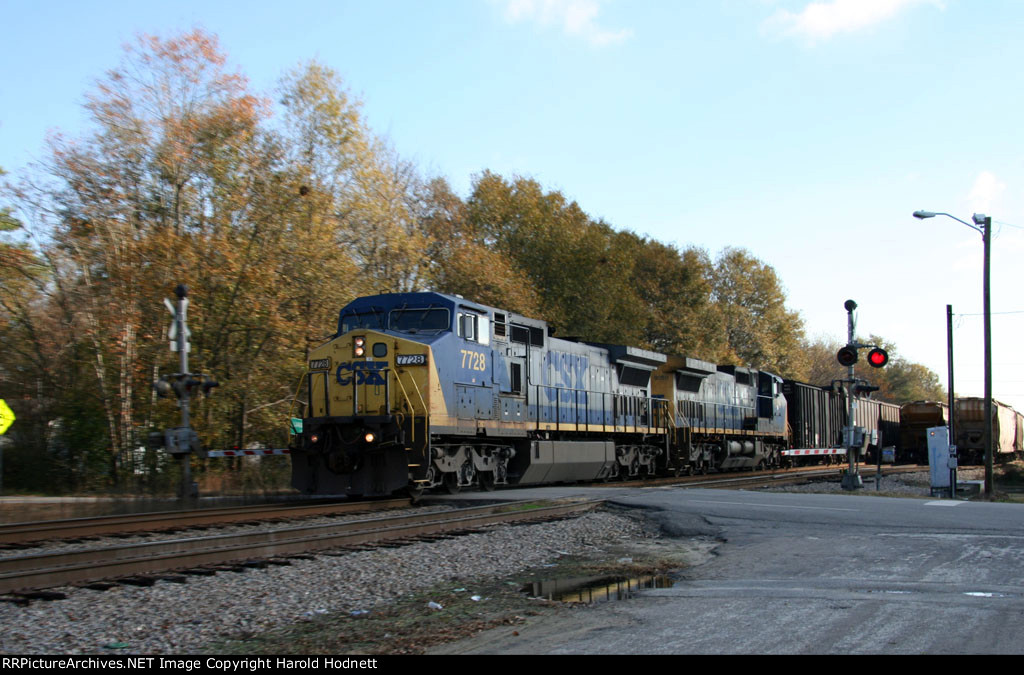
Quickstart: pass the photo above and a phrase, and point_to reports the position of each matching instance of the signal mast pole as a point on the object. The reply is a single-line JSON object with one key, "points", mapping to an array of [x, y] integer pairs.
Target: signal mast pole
{"points": [[852, 480], [185, 491], [847, 356], [181, 441]]}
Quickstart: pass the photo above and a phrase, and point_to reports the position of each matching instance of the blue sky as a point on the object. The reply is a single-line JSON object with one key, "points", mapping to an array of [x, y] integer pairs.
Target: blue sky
{"points": [[806, 132]]}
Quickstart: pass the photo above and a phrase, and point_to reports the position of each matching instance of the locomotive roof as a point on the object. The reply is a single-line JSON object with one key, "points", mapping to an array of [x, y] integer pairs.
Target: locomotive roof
{"points": [[415, 298]]}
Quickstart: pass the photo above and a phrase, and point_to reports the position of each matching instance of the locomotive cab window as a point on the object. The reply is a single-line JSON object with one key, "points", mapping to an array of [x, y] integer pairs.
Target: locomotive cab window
{"points": [[372, 319], [474, 328], [427, 319]]}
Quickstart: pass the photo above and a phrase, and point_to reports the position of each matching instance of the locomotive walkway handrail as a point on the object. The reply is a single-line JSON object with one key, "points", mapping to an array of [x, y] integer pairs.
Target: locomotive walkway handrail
{"points": [[654, 411]]}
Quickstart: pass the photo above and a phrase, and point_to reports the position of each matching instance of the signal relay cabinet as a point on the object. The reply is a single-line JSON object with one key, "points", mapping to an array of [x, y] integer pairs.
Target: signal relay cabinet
{"points": [[939, 459]]}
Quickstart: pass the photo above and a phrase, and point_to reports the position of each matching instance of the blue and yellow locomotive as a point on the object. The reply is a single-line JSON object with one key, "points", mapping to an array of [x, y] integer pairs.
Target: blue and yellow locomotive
{"points": [[422, 390]]}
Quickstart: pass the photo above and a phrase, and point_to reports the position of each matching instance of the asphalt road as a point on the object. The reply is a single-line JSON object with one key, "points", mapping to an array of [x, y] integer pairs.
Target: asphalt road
{"points": [[807, 574]]}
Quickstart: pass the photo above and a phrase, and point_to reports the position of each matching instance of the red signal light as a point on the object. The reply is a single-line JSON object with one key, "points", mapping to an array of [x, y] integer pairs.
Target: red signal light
{"points": [[878, 357]]}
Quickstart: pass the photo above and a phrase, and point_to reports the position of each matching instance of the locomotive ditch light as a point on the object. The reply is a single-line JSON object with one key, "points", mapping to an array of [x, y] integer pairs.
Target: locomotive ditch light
{"points": [[847, 356], [878, 357], [369, 437]]}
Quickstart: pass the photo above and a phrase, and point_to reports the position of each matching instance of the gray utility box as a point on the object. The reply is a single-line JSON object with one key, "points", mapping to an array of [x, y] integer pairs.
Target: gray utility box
{"points": [[939, 459]]}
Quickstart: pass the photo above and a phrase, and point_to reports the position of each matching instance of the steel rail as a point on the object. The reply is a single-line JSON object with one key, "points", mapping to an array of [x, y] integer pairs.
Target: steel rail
{"points": [[28, 532], [39, 571], [775, 476]]}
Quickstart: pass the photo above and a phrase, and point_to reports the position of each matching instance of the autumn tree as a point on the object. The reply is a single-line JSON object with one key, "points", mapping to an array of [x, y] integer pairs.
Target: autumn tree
{"points": [[182, 179], [460, 260], [30, 373], [580, 275], [760, 330], [148, 198], [356, 183], [673, 289]]}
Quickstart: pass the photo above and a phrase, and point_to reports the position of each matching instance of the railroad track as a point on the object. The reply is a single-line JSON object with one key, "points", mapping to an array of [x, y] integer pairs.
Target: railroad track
{"points": [[771, 477], [25, 573], [18, 534], [800, 475]]}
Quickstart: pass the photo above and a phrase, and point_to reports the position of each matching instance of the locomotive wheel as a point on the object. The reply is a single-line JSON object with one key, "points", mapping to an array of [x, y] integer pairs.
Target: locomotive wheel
{"points": [[451, 483], [487, 481]]}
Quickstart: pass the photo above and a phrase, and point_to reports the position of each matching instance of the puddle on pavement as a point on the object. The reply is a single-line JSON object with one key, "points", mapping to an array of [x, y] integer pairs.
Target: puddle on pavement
{"points": [[595, 589]]}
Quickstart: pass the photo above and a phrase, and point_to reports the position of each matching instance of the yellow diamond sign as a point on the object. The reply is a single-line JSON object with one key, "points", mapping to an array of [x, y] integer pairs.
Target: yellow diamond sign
{"points": [[6, 417]]}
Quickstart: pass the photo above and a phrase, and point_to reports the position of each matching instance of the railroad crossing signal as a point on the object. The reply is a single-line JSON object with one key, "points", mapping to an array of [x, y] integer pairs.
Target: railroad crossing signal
{"points": [[847, 356], [181, 441], [6, 417]]}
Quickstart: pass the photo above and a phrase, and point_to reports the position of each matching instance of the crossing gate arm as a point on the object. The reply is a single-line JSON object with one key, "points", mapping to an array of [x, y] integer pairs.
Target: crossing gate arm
{"points": [[805, 452], [248, 453]]}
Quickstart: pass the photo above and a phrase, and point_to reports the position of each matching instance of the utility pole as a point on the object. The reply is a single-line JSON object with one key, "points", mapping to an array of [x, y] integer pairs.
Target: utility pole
{"points": [[985, 222], [952, 403]]}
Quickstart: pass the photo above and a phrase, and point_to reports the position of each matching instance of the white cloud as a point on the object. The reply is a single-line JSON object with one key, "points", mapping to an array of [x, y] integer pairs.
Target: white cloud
{"points": [[822, 20], [987, 188], [576, 18]]}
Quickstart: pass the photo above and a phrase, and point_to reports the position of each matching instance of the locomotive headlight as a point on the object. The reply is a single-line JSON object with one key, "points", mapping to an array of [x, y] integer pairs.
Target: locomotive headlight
{"points": [[314, 438], [359, 346], [369, 437]]}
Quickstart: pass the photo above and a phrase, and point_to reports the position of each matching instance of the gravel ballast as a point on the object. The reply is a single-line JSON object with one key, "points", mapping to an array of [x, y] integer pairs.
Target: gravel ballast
{"points": [[174, 618]]}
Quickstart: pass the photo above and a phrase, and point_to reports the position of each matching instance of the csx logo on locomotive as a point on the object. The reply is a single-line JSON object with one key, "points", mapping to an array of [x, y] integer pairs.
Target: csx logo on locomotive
{"points": [[362, 372]]}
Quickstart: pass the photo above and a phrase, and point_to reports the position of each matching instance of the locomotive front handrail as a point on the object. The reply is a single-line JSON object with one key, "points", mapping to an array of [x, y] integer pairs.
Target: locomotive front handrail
{"points": [[408, 401]]}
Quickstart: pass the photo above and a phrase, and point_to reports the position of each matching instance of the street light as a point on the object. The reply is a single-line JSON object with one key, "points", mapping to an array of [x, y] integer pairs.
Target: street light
{"points": [[982, 224]]}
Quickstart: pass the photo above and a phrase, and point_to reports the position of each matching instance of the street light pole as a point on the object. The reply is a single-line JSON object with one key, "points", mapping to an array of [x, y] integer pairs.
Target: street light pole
{"points": [[982, 224]]}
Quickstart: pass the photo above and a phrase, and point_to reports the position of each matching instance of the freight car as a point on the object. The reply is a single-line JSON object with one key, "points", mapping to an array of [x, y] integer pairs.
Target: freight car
{"points": [[817, 416], [969, 423], [1018, 444], [915, 420], [422, 390], [882, 422]]}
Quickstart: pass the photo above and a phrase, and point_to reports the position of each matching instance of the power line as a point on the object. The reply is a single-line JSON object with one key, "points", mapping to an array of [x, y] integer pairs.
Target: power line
{"points": [[1016, 311]]}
